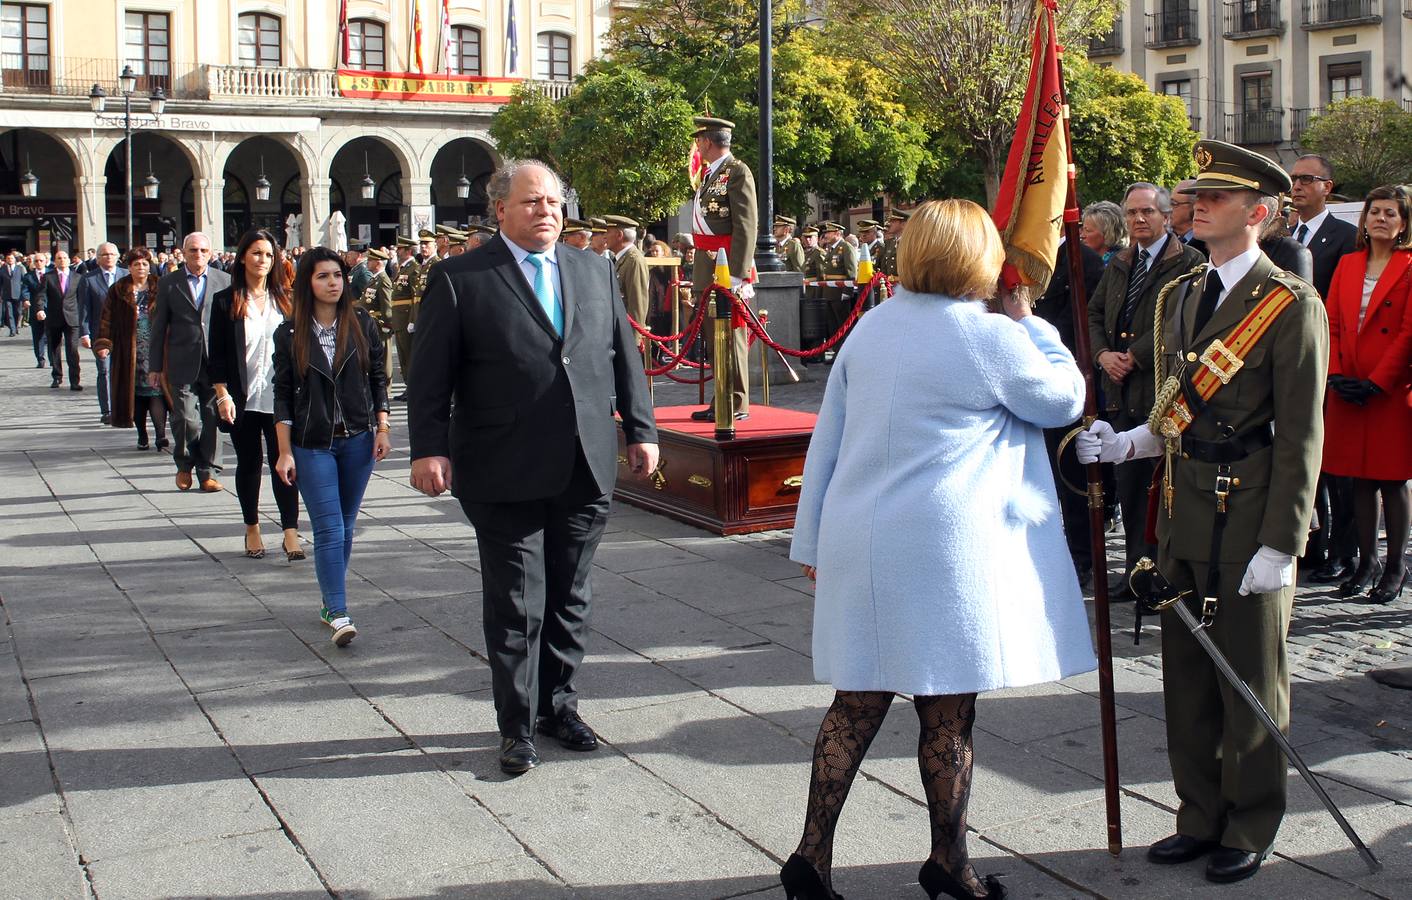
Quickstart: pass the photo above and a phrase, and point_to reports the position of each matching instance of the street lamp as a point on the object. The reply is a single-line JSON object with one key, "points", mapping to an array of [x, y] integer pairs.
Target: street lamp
{"points": [[766, 260], [368, 189], [463, 184], [156, 103], [262, 184], [29, 184]]}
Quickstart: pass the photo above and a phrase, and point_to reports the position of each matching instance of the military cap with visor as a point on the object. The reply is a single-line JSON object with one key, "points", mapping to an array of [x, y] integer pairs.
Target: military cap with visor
{"points": [[1226, 167], [621, 222], [710, 123]]}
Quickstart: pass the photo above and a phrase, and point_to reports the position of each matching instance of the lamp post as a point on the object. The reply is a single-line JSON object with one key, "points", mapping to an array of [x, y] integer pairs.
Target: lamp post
{"points": [[127, 86], [766, 259], [29, 184]]}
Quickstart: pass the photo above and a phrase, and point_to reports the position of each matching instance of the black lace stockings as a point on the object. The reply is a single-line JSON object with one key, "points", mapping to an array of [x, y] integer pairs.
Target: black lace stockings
{"points": [[944, 756]]}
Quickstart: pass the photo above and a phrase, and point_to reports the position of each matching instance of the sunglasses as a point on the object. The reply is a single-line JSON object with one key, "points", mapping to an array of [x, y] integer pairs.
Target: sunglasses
{"points": [[1309, 179]]}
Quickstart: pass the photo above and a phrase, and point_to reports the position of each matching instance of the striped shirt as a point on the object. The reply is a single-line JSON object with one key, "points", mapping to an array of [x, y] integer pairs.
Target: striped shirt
{"points": [[328, 339]]}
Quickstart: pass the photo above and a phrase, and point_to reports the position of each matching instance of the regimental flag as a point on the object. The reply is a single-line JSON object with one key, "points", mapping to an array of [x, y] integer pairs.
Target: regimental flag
{"points": [[446, 35], [1029, 209], [512, 41], [696, 167], [342, 34], [417, 58]]}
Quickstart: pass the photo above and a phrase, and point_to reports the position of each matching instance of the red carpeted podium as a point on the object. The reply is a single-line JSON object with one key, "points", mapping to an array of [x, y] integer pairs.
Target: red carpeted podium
{"points": [[747, 484]]}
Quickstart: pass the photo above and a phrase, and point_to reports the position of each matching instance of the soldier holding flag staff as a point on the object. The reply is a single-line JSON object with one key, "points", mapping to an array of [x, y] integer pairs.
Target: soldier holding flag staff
{"points": [[1242, 351]]}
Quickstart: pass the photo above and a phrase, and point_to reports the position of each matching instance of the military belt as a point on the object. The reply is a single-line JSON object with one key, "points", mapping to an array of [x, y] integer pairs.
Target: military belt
{"points": [[408, 302], [1232, 449]]}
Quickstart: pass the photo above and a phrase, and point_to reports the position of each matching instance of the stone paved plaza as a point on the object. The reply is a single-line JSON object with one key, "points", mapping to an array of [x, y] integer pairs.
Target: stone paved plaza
{"points": [[175, 723]]}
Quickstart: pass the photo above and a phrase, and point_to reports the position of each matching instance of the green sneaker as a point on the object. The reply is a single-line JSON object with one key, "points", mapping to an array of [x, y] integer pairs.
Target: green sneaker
{"points": [[326, 616]]}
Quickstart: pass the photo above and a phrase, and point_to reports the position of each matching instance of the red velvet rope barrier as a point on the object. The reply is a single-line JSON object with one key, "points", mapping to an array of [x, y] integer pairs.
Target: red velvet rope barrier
{"points": [[753, 323]]}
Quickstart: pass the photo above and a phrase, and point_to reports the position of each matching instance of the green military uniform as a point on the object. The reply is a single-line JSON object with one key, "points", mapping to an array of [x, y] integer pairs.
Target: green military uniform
{"points": [[406, 294], [725, 204], [358, 278], [840, 264], [376, 297], [790, 249], [1266, 426], [633, 277], [813, 267], [887, 259]]}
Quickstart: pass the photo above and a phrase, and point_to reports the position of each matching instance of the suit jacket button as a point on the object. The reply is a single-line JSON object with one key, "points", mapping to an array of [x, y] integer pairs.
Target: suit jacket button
{"points": [[1191, 357], [1387, 303], [1384, 331], [566, 360]]}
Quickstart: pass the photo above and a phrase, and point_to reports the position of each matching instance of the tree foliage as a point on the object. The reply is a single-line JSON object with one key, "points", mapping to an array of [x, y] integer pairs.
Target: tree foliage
{"points": [[963, 62], [620, 138], [1123, 132], [1368, 141]]}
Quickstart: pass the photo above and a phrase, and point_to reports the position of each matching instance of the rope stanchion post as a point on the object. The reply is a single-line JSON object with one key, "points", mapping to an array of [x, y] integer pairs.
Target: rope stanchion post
{"points": [[764, 361], [723, 363]]}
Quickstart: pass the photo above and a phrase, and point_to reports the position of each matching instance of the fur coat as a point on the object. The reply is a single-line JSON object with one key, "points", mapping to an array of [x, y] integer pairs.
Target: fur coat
{"points": [[118, 335]]}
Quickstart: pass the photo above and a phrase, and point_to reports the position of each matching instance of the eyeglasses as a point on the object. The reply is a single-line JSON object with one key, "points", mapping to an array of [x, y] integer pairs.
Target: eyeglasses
{"points": [[1146, 212], [1309, 179]]}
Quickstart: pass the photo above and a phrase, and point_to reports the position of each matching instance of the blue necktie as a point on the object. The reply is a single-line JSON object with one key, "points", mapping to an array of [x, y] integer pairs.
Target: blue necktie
{"points": [[544, 292]]}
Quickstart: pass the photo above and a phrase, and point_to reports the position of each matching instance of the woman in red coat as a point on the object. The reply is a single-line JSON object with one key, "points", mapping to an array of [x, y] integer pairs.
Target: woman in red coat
{"points": [[1368, 417]]}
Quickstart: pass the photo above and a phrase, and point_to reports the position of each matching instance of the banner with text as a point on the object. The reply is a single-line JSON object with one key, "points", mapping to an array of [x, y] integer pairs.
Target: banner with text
{"points": [[429, 88]]}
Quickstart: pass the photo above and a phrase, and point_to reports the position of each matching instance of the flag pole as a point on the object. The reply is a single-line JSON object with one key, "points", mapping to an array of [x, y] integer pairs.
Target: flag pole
{"points": [[1078, 299]]}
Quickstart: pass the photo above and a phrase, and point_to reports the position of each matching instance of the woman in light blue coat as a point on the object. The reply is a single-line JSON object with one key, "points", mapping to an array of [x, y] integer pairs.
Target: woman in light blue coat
{"points": [[929, 520]]}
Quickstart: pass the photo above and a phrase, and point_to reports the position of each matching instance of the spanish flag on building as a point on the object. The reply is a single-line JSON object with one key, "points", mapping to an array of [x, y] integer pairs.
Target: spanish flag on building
{"points": [[1029, 209]]}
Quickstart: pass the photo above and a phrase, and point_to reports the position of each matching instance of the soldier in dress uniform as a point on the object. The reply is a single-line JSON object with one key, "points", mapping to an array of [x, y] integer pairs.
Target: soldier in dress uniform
{"points": [[840, 264], [426, 246], [631, 265], [790, 249], [724, 216], [376, 297], [406, 249], [813, 255], [598, 243], [886, 261], [870, 233], [479, 236], [455, 244], [1242, 344], [358, 274], [444, 233], [577, 233], [406, 294]]}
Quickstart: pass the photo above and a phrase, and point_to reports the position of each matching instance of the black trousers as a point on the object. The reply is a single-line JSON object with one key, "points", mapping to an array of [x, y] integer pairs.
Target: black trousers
{"points": [[535, 559], [1133, 479], [252, 432], [68, 337], [1336, 537]]}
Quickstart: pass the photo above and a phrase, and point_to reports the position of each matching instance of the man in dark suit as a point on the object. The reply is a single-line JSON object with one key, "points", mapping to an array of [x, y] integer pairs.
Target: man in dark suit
{"points": [[92, 296], [11, 276], [1182, 204], [530, 339], [1333, 546], [181, 322], [60, 316]]}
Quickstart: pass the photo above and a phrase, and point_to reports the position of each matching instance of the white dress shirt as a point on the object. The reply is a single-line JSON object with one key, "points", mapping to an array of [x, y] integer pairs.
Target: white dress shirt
{"points": [[260, 356], [1314, 225], [528, 269]]}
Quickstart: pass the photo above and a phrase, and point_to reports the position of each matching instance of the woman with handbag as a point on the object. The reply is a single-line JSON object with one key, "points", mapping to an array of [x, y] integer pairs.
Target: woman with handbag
{"points": [[331, 417], [244, 318], [1368, 413], [125, 332]]}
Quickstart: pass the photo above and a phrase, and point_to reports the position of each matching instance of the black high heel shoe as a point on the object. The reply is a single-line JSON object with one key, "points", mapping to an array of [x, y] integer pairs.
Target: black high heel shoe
{"points": [[1359, 584], [1385, 592], [802, 881], [937, 881]]}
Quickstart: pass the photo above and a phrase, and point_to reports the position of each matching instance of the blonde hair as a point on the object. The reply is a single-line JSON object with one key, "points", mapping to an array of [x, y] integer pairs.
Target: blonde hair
{"points": [[950, 247]]}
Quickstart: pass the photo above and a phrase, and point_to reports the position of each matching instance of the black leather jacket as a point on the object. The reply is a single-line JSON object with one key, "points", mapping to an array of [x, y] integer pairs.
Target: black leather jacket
{"points": [[311, 402]]}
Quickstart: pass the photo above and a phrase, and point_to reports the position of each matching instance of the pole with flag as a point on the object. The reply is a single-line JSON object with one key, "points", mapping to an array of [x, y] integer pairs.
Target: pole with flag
{"points": [[446, 36], [342, 34], [512, 41], [418, 61], [1037, 197]]}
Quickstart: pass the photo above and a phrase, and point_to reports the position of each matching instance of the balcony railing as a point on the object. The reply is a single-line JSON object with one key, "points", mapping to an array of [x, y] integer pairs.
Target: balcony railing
{"points": [[71, 76], [1255, 126], [554, 90], [1407, 8], [1176, 27], [1253, 18], [1299, 121], [271, 82], [1333, 13], [1111, 44]]}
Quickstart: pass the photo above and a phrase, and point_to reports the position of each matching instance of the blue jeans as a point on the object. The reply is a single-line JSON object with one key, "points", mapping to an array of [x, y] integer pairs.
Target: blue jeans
{"points": [[332, 483]]}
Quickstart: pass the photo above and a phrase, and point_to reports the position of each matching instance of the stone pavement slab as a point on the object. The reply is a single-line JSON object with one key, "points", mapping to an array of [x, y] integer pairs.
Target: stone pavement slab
{"points": [[174, 722]]}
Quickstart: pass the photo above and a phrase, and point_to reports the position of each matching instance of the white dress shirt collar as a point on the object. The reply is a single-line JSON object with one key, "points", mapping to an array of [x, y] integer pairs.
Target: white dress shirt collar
{"points": [[621, 253], [715, 167], [521, 254], [1233, 270], [1314, 225]]}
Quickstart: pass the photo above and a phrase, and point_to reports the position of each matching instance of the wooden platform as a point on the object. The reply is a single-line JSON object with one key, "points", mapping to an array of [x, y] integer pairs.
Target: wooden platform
{"points": [[738, 486]]}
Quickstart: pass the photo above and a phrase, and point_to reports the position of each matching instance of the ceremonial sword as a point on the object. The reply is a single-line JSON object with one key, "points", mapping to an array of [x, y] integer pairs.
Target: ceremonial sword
{"points": [[1161, 595]]}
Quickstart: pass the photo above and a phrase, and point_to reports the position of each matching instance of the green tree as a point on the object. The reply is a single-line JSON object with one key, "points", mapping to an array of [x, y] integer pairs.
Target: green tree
{"points": [[1124, 132], [1368, 141], [620, 139], [963, 63]]}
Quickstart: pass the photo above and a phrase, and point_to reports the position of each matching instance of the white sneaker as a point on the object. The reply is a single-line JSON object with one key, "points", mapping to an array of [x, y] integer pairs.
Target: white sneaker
{"points": [[343, 630]]}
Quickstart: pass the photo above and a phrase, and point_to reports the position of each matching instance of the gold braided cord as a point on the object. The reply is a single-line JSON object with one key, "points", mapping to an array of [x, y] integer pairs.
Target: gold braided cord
{"points": [[1165, 390]]}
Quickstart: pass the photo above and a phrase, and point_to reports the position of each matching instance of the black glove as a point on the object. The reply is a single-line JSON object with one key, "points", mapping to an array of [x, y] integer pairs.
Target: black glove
{"points": [[1346, 389], [1367, 389]]}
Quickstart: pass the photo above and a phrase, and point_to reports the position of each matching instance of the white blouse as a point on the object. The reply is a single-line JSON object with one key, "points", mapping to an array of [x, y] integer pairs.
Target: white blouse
{"points": [[260, 356], [1370, 284]]}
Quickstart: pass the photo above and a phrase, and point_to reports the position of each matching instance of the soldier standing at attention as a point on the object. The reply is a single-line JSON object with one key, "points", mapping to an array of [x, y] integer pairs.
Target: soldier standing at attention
{"points": [[840, 264], [443, 235], [813, 255], [599, 241], [886, 261], [376, 298], [724, 217], [577, 233], [358, 274], [790, 249], [631, 265], [1241, 463], [406, 293], [870, 233]]}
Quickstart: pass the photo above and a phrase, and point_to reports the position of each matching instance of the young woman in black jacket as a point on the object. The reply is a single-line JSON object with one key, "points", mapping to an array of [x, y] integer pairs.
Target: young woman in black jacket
{"points": [[330, 417]]}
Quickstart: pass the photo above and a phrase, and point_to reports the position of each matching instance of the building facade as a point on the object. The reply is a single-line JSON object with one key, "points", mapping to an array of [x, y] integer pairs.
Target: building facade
{"points": [[275, 116], [1254, 72]]}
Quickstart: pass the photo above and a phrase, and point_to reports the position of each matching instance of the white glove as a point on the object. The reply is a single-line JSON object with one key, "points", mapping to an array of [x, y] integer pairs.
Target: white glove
{"points": [[745, 290], [1100, 443], [411, 327], [1269, 570]]}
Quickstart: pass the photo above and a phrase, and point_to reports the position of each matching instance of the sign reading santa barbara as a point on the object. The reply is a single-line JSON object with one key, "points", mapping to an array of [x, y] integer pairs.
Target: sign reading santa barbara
{"points": [[433, 88]]}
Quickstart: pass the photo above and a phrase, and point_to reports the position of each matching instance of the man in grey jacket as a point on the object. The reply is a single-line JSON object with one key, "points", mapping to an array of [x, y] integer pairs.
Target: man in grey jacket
{"points": [[181, 322]]}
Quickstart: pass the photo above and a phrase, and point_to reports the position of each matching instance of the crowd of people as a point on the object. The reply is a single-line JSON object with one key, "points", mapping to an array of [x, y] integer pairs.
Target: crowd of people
{"points": [[919, 468]]}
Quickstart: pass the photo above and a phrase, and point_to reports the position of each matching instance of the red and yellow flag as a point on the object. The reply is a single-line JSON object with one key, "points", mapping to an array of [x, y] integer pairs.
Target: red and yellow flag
{"points": [[1029, 209]]}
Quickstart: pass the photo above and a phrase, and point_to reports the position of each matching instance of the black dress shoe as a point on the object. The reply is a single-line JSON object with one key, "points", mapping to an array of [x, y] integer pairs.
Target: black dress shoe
{"points": [[802, 881], [400, 398], [1121, 591], [937, 881], [1386, 591], [53, 384], [1227, 865], [704, 415], [1335, 569], [1362, 580], [569, 730], [75, 387], [106, 419], [1179, 848], [517, 756]]}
